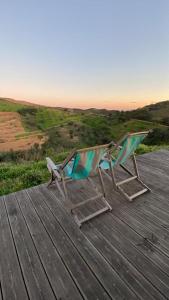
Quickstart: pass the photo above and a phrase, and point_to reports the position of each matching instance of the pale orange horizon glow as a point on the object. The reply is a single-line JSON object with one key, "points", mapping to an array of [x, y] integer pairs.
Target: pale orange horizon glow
{"points": [[122, 100], [126, 104]]}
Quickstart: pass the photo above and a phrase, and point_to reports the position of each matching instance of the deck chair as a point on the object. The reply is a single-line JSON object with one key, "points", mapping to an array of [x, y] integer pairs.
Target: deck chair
{"points": [[117, 155], [80, 164]]}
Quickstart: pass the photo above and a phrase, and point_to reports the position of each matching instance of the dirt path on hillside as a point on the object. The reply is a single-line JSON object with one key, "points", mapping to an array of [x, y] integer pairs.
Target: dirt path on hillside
{"points": [[13, 135]]}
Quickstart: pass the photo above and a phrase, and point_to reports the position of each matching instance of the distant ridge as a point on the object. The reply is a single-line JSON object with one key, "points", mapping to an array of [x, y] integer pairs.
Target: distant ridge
{"points": [[21, 102], [161, 105]]}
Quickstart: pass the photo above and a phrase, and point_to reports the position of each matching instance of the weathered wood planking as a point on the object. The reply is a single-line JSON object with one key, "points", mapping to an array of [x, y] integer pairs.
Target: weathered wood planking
{"points": [[74, 261], [114, 254], [119, 255], [109, 278], [34, 276], [58, 275], [0, 292], [120, 258], [135, 257], [106, 275], [12, 283]]}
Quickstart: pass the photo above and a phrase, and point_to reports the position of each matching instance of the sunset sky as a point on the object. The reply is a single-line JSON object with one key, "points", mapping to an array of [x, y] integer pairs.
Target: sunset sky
{"points": [[85, 53]]}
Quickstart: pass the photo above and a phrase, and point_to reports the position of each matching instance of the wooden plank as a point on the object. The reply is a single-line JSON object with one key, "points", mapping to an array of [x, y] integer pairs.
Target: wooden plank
{"points": [[147, 245], [144, 223], [0, 293], [152, 219], [135, 280], [159, 208], [104, 272], [35, 278], [0, 288], [12, 283], [81, 272], [111, 270], [111, 253], [60, 279], [134, 256], [140, 225], [159, 215], [149, 267], [148, 248]]}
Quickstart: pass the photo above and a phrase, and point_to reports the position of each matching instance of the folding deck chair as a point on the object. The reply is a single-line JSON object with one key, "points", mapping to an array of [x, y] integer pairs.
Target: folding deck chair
{"points": [[80, 164], [117, 155]]}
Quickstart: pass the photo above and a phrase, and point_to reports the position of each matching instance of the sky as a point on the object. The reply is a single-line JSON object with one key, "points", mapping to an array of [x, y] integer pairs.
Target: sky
{"points": [[110, 54]]}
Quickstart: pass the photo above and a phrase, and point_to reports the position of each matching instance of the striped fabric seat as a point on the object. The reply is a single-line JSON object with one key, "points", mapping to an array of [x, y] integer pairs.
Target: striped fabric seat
{"points": [[86, 163], [125, 149], [80, 164], [117, 155]]}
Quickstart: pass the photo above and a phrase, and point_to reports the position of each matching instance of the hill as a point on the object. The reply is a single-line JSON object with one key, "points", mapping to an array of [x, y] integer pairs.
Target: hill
{"points": [[31, 132], [25, 124], [159, 111], [14, 133], [155, 112], [8, 104]]}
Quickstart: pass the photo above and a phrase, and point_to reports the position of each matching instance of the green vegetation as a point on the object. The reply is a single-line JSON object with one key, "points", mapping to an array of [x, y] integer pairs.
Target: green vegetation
{"points": [[146, 149], [7, 105], [45, 118], [18, 176], [14, 177], [67, 129], [154, 112]]}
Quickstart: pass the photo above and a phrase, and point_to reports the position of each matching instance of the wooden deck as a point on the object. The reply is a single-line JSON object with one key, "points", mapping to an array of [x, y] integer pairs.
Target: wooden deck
{"points": [[123, 254]]}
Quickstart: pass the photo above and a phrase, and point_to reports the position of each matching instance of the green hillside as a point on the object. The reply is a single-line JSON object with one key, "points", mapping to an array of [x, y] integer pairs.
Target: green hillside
{"points": [[8, 105], [159, 110], [155, 112], [66, 129]]}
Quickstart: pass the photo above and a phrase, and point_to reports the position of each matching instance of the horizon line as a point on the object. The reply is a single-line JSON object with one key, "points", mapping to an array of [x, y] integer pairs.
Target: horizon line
{"points": [[34, 102]]}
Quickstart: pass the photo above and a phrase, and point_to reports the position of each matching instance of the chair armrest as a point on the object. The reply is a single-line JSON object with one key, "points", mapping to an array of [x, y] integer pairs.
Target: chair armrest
{"points": [[52, 167]]}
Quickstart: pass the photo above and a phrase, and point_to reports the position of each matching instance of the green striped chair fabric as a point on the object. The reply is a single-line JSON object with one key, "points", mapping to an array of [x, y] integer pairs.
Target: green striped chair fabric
{"points": [[125, 149], [86, 162]]}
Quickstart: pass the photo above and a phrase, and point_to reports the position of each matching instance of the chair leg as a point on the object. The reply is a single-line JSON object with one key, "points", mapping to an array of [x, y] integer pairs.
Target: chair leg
{"points": [[136, 172], [60, 189], [118, 185], [99, 195], [103, 197], [124, 194], [52, 180], [135, 165], [64, 186], [101, 182], [113, 176]]}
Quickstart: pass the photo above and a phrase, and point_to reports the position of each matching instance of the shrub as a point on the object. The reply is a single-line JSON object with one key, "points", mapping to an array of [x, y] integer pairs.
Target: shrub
{"points": [[32, 178], [158, 136]]}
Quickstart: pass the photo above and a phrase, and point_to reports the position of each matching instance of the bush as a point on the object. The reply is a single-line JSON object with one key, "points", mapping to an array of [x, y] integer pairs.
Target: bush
{"points": [[158, 136], [32, 178]]}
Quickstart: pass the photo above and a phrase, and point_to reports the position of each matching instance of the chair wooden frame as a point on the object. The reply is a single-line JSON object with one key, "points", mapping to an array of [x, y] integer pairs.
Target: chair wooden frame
{"points": [[58, 177], [133, 176]]}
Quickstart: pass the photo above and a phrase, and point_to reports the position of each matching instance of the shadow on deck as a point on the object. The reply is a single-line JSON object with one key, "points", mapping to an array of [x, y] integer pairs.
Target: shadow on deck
{"points": [[122, 254]]}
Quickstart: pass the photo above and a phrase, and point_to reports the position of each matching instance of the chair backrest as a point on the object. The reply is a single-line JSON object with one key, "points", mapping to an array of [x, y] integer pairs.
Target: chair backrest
{"points": [[86, 161], [127, 146]]}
